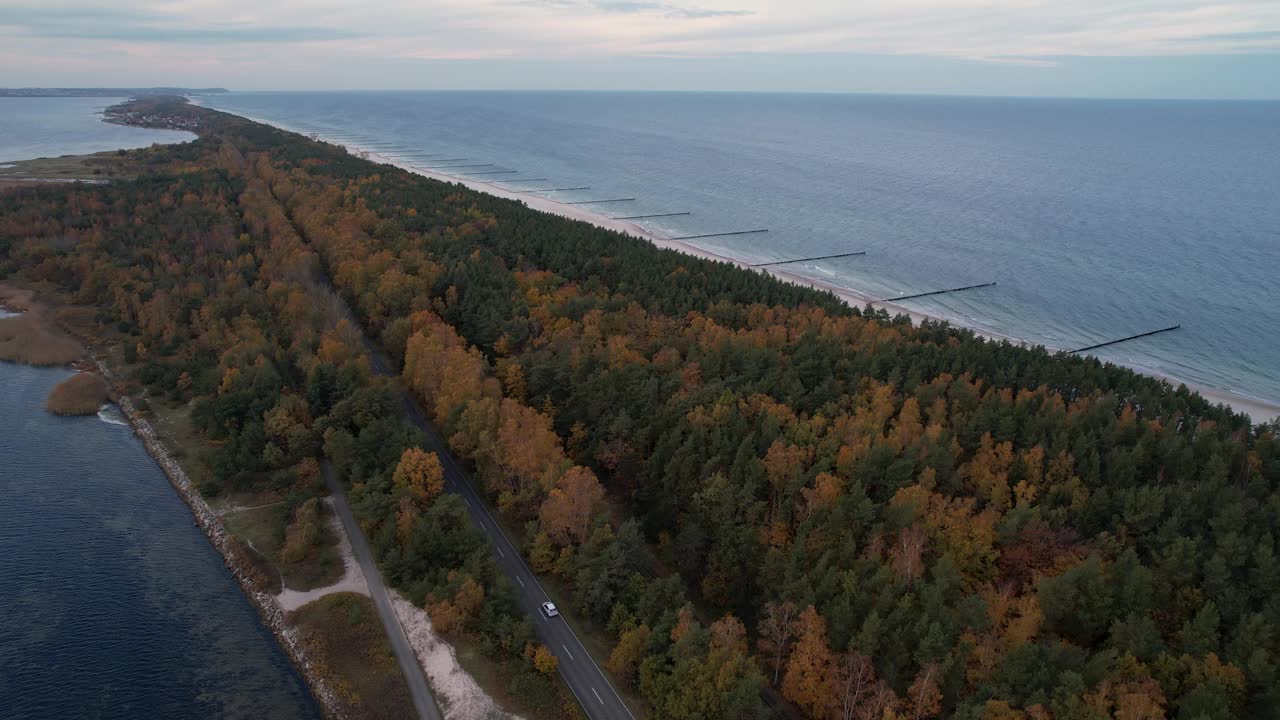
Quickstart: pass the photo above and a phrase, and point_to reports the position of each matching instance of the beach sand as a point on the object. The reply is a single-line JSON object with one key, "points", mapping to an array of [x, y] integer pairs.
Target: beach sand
{"points": [[1259, 410]]}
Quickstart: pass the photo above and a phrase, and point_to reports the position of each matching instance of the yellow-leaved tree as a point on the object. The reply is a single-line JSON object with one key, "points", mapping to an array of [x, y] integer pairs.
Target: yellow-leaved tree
{"points": [[420, 474]]}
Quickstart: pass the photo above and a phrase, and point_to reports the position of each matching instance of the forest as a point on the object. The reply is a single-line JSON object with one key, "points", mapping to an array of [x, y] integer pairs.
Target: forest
{"points": [[763, 496]]}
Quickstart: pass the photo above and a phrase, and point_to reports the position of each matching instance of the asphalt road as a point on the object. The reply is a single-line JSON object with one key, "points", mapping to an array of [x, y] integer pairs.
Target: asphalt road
{"points": [[598, 698], [419, 690]]}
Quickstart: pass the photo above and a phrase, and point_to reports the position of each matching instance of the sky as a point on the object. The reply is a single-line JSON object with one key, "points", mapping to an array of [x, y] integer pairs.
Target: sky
{"points": [[1073, 48]]}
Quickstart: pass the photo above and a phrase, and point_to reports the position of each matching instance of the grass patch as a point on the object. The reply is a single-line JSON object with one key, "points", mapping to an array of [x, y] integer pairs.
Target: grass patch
{"points": [[80, 394], [100, 166], [172, 423], [264, 529], [262, 572], [514, 685], [346, 644]]}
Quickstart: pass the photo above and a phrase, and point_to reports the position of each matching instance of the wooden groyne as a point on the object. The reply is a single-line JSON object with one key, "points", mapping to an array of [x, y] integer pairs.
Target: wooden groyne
{"points": [[721, 234], [938, 292], [808, 259], [542, 190], [595, 202], [516, 180], [490, 172], [1149, 333], [641, 217], [472, 165]]}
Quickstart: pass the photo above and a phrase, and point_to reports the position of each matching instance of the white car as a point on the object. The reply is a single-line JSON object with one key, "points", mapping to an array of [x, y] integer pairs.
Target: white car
{"points": [[550, 609]]}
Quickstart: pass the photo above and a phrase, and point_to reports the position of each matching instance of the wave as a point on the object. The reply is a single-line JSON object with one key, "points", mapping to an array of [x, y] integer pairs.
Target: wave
{"points": [[111, 415]]}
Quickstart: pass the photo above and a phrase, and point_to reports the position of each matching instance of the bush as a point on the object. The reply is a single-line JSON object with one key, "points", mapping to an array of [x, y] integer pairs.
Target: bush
{"points": [[80, 394]]}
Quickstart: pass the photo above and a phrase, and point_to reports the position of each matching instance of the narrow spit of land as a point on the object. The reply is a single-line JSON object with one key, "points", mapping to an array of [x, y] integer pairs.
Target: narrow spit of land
{"points": [[1259, 409], [923, 432]]}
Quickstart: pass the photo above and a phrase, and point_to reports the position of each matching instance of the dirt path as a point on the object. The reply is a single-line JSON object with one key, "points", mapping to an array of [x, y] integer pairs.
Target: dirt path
{"points": [[352, 579], [463, 698], [419, 689]]}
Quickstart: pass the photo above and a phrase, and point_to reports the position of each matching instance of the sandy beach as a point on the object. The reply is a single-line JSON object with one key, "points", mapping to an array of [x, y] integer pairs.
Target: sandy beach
{"points": [[1258, 409]]}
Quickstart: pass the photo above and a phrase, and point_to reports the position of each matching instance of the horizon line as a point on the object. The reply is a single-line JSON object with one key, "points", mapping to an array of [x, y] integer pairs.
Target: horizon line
{"points": [[722, 91]]}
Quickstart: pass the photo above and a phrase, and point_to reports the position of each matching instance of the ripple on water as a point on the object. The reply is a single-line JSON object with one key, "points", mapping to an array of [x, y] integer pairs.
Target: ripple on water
{"points": [[114, 603]]}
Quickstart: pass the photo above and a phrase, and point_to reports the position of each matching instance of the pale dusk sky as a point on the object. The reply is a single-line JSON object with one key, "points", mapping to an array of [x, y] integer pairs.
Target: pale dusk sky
{"points": [[1104, 48]]}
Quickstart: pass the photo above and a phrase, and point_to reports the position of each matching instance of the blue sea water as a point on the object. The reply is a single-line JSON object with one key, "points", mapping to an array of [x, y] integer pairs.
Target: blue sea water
{"points": [[1097, 218], [112, 603], [50, 127]]}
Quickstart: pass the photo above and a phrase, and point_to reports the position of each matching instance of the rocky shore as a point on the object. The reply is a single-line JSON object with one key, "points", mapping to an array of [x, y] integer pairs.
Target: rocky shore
{"points": [[233, 554]]}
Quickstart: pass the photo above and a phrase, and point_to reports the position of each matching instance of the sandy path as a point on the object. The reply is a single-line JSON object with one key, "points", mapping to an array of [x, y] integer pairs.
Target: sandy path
{"points": [[461, 697], [352, 579], [419, 688]]}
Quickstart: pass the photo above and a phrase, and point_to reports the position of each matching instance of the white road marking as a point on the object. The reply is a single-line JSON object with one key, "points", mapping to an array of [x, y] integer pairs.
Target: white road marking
{"points": [[593, 692], [566, 652], [465, 500], [521, 580], [500, 553]]}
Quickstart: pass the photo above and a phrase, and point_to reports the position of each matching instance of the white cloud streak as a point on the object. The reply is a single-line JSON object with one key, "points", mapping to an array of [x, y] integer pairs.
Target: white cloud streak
{"points": [[973, 29], [337, 43]]}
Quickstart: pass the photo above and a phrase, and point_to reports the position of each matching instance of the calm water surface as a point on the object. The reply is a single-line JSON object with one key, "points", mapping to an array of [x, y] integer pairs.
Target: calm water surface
{"points": [[50, 127], [112, 603]]}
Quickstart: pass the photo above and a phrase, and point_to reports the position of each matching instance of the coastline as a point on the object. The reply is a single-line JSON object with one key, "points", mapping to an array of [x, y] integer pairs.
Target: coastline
{"points": [[14, 301], [273, 616], [1260, 410]]}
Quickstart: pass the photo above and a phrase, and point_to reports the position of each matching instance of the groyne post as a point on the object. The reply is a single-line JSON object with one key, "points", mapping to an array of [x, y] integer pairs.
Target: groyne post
{"points": [[1149, 333]]}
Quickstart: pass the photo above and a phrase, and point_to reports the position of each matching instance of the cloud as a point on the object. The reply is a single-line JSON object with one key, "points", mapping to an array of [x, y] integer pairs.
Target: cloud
{"points": [[138, 25], [634, 7], [973, 29], [405, 43]]}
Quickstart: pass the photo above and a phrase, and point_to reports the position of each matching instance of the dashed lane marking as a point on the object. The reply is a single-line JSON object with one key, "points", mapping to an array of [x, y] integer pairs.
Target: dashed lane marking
{"points": [[566, 652]]}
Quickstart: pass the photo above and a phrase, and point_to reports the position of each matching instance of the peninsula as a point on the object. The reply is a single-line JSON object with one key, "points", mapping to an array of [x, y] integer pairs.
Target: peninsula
{"points": [[742, 496]]}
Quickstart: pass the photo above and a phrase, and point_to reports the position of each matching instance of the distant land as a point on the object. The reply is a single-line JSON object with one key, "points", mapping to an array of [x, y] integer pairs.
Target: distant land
{"points": [[105, 92]]}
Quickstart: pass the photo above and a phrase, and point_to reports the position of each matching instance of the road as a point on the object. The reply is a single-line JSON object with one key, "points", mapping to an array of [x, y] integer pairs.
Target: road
{"points": [[419, 690], [587, 682]]}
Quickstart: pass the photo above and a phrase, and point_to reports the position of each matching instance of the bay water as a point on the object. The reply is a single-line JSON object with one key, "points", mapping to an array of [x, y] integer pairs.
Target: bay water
{"points": [[113, 603], [37, 127]]}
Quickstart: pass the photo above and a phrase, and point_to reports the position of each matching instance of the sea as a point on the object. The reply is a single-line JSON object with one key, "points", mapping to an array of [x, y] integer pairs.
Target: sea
{"points": [[1096, 219], [113, 604], [38, 127]]}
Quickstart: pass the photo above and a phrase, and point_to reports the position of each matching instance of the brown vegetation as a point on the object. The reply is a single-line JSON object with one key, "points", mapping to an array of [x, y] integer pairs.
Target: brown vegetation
{"points": [[33, 338], [68, 168], [14, 298], [80, 394], [30, 339], [346, 645]]}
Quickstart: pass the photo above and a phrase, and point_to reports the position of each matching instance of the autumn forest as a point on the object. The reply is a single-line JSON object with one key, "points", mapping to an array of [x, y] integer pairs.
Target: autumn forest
{"points": [[761, 499]]}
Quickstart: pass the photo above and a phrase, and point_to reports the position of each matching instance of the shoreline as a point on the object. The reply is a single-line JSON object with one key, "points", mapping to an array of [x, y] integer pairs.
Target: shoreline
{"points": [[274, 617], [14, 301], [1259, 410]]}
